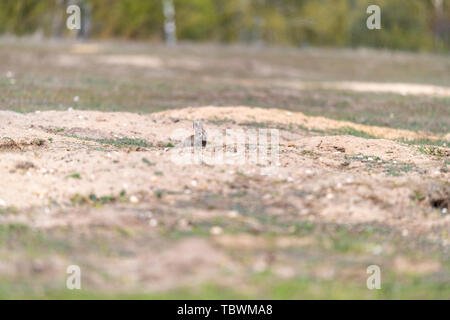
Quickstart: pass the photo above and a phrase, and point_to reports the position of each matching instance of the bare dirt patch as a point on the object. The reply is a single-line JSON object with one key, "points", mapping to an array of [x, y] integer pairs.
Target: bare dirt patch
{"points": [[84, 152], [109, 176]]}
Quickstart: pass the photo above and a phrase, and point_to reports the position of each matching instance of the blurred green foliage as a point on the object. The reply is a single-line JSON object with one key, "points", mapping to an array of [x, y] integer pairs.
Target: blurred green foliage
{"points": [[410, 25]]}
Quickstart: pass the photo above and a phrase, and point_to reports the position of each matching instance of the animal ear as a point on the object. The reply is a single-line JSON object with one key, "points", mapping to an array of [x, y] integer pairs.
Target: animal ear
{"points": [[197, 125]]}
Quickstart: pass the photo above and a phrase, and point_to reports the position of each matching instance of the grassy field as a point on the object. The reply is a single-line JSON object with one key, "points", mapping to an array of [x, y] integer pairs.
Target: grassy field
{"points": [[48, 77], [274, 241]]}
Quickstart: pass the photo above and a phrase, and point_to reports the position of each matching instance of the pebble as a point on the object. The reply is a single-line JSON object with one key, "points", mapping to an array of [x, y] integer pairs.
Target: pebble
{"points": [[216, 230], [145, 215], [233, 214], [183, 224], [134, 199], [153, 223], [304, 212], [377, 250]]}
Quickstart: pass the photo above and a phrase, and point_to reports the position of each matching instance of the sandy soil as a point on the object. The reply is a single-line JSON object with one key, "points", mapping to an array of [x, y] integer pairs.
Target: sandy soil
{"points": [[50, 162], [40, 151], [196, 64]]}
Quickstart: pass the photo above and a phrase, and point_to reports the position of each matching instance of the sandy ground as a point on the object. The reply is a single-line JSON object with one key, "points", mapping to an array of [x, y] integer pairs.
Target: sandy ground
{"points": [[51, 162], [197, 64], [40, 151]]}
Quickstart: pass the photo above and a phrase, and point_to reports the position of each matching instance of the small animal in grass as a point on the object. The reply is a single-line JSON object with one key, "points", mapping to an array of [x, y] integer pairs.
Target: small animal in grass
{"points": [[199, 137]]}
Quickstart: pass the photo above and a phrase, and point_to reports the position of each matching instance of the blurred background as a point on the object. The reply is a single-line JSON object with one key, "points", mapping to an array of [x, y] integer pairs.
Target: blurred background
{"points": [[406, 25], [306, 235], [264, 53]]}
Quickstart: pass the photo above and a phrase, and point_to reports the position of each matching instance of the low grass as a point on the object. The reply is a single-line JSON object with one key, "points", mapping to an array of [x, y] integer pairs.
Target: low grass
{"points": [[333, 132], [75, 176], [345, 249], [425, 142], [348, 248], [390, 168], [118, 142], [351, 132], [98, 201], [125, 142], [47, 86], [260, 286], [148, 162]]}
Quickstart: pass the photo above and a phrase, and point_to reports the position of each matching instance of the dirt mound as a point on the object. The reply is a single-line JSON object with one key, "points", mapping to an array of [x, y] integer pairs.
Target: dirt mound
{"points": [[86, 152], [278, 116], [113, 173], [8, 144]]}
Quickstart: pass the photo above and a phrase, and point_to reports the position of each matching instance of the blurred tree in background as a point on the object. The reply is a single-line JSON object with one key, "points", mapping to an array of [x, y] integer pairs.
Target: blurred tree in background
{"points": [[406, 24], [126, 18], [22, 17]]}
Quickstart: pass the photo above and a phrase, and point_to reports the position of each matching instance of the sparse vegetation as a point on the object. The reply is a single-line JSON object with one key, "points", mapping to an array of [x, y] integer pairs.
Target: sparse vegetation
{"points": [[148, 162], [95, 200], [425, 142], [305, 228], [352, 132], [120, 142]]}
